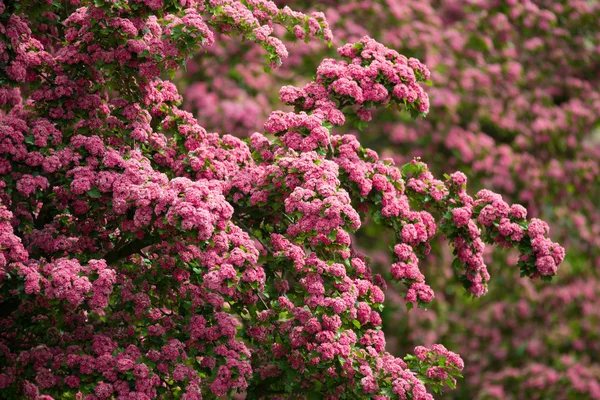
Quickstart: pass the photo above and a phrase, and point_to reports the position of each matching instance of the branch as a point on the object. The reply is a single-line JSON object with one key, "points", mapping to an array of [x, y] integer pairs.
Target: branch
{"points": [[239, 222], [130, 248], [44, 216]]}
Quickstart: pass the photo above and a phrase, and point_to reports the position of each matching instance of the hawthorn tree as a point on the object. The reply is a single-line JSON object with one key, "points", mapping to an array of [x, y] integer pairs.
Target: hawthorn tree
{"points": [[516, 107], [143, 257]]}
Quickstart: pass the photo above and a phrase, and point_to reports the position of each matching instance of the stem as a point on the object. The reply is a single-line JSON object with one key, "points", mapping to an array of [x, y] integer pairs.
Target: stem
{"points": [[130, 248], [241, 223], [44, 216]]}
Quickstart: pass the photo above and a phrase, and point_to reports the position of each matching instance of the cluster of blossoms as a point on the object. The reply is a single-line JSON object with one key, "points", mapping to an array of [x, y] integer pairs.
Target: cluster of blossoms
{"points": [[369, 74], [496, 222], [143, 257], [439, 363]]}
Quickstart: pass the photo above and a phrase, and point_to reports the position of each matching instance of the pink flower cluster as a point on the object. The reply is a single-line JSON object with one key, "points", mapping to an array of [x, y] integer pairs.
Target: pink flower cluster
{"points": [[256, 18], [371, 75], [302, 132], [11, 246], [444, 362], [406, 269], [66, 279], [497, 223]]}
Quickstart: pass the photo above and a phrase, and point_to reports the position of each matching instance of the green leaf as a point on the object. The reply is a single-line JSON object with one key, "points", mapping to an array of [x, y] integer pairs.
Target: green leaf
{"points": [[283, 317], [318, 386], [313, 395], [377, 217], [361, 125], [456, 264], [94, 193], [412, 169]]}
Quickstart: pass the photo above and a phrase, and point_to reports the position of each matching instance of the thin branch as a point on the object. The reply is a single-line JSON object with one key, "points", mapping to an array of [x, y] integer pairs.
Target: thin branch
{"points": [[130, 248], [241, 223], [44, 216], [261, 299]]}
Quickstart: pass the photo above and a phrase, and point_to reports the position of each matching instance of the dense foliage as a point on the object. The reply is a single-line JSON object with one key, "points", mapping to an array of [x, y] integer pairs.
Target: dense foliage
{"points": [[144, 257]]}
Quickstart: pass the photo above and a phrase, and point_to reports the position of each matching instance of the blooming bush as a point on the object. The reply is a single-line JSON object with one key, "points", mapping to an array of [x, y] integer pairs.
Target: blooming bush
{"points": [[144, 257], [515, 105]]}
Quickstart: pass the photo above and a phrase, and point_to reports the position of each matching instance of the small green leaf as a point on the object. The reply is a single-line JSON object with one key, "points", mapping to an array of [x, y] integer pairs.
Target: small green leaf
{"points": [[318, 386], [377, 217], [457, 264], [94, 193]]}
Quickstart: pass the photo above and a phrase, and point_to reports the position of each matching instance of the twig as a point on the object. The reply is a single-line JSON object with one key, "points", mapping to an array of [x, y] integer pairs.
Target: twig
{"points": [[241, 223], [127, 250]]}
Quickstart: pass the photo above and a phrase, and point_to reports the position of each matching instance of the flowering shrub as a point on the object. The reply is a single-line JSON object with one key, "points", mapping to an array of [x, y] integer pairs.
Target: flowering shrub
{"points": [[143, 257], [515, 105]]}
